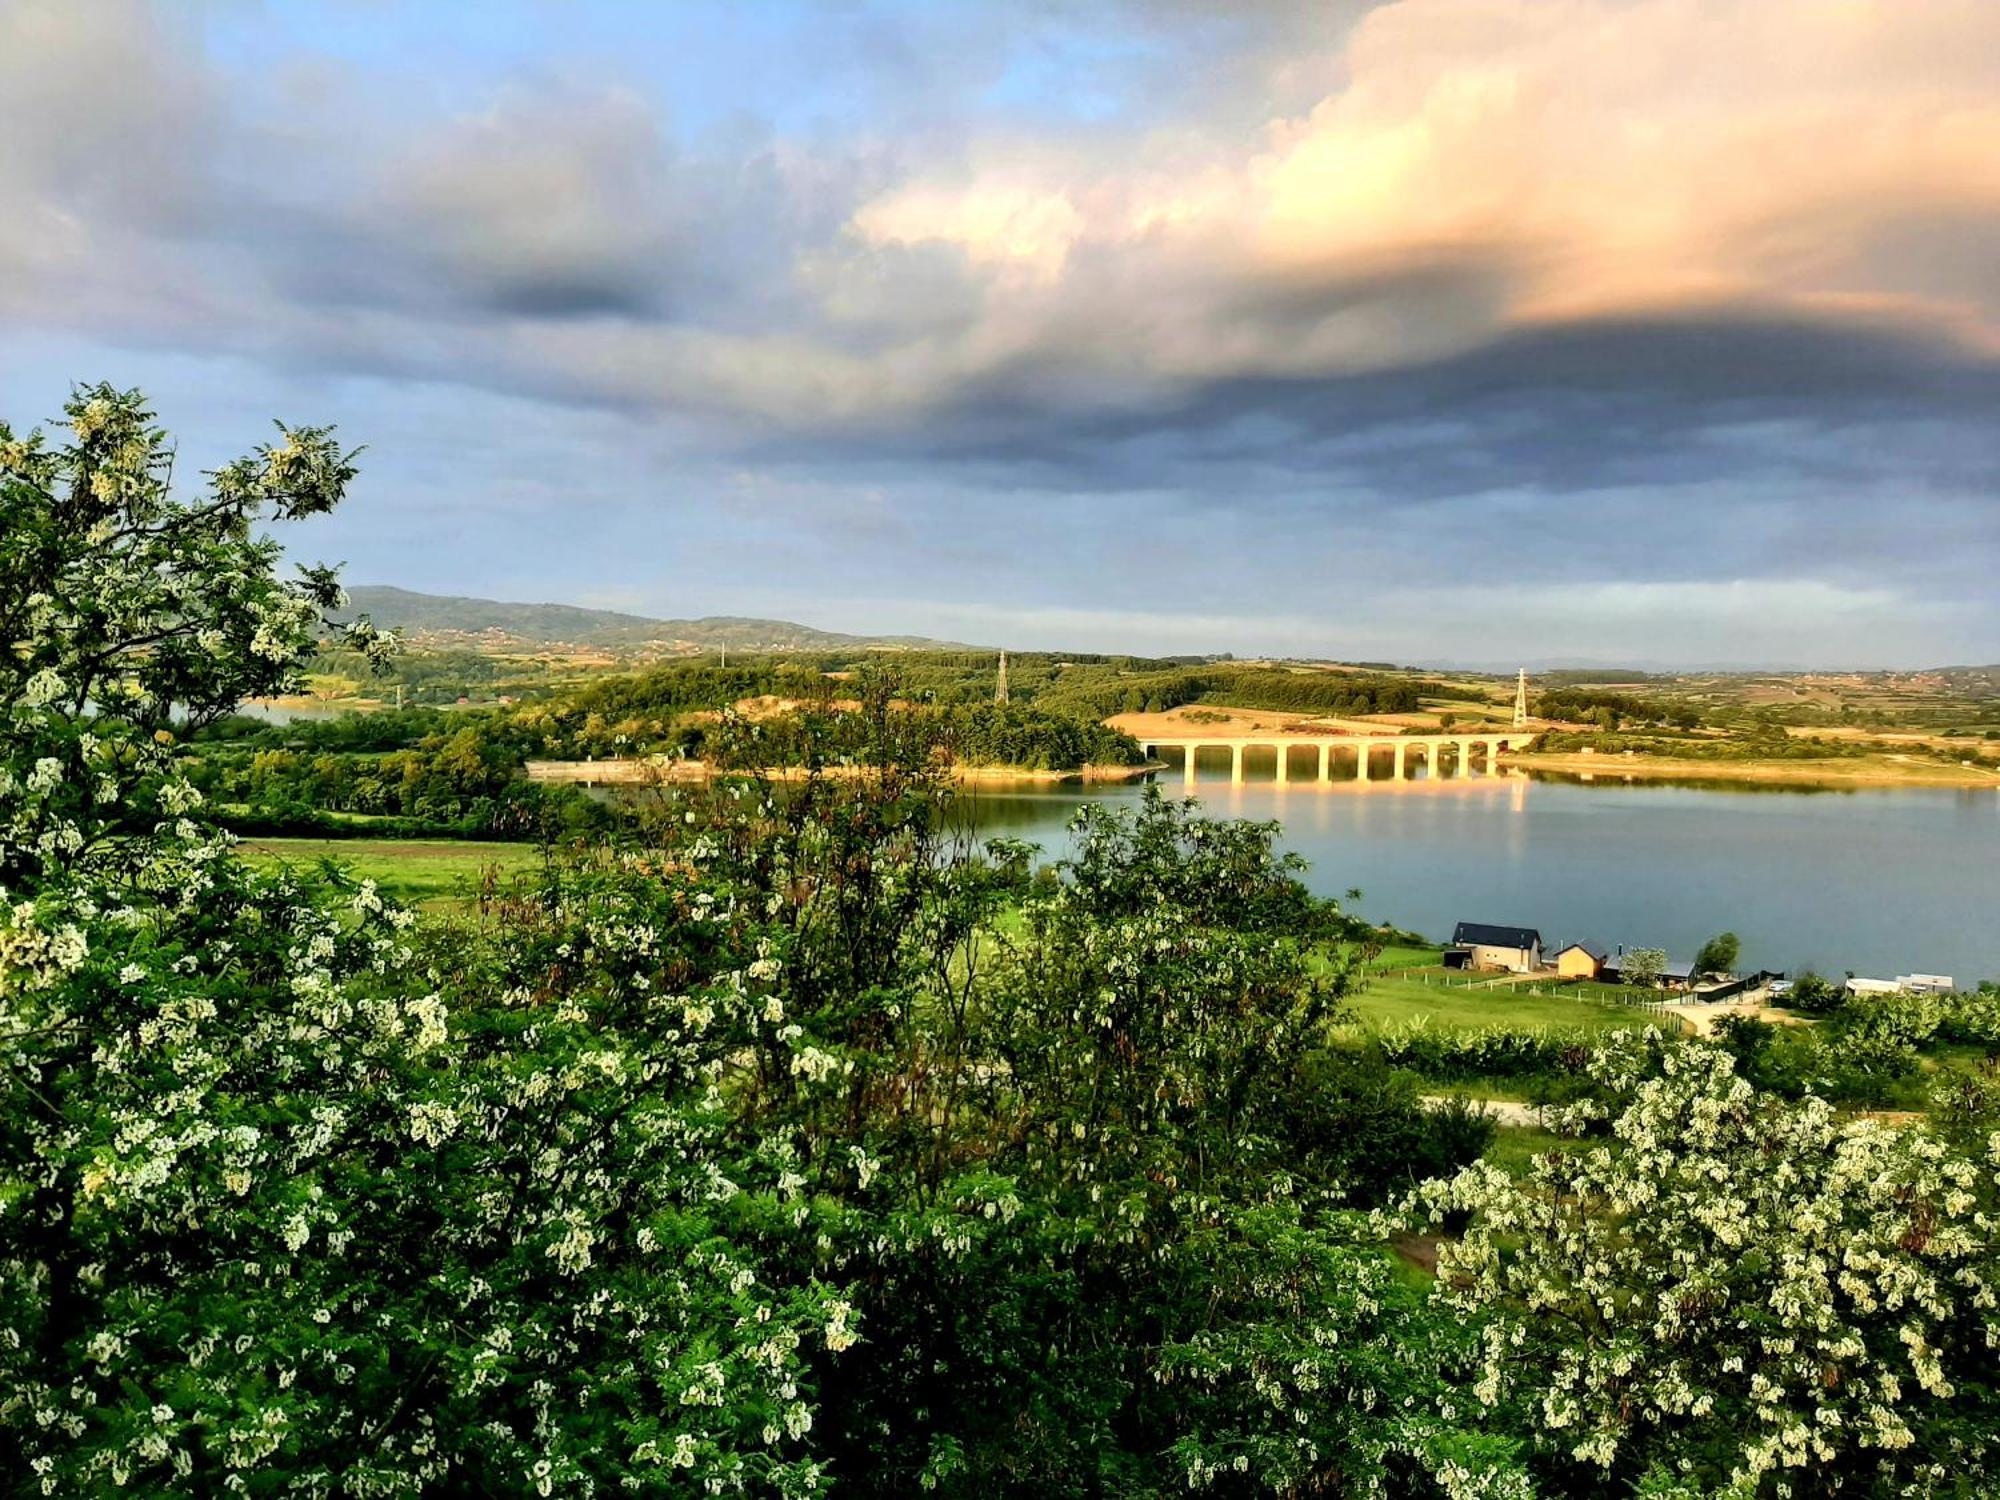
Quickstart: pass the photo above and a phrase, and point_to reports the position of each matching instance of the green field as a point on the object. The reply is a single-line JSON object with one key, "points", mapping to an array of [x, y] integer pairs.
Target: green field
{"points": [[431, 873], [1447, 1000], [1515, 1147], [1396, 956]]}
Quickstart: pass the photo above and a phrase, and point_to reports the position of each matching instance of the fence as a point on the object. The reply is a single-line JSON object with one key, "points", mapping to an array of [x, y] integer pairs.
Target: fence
{"points": [[1626, 999]]}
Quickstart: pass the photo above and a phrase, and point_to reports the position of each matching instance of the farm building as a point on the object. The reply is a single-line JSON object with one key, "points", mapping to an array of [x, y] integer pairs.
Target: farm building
{"points": [[1580, 961], [1515, 949], [1902, 984], [1926, 984], [1673, 976]]}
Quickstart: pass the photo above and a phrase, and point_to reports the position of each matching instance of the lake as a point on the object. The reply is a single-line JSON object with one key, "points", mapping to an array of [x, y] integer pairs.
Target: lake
{"points": [[1881, 882]]}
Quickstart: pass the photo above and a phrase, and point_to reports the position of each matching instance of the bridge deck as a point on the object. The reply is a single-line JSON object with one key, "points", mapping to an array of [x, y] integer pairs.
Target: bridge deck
{"points": [[1429, 748]]}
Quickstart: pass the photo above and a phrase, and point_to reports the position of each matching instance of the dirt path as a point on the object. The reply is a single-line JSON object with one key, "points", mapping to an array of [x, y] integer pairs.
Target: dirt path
{"points": [[1504, 1111], [1701, 1018], [1195, 719]]}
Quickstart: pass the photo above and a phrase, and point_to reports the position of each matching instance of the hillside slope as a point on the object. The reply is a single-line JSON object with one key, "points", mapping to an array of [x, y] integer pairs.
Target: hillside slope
{"points": [[447, 617]]}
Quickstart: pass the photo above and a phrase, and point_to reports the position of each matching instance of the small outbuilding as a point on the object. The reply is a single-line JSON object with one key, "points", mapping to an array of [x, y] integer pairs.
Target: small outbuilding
{"points": [[1518, 950], [1859, 986], [1580, 961], [1672, 977], [1926, 984]]}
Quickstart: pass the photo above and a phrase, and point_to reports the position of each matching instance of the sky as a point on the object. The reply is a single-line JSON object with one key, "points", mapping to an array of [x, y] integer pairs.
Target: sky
{"points": [[1657, 332]]}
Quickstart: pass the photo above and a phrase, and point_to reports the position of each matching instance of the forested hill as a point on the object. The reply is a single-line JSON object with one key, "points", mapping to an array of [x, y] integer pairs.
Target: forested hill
{"points": [[440, 615]]}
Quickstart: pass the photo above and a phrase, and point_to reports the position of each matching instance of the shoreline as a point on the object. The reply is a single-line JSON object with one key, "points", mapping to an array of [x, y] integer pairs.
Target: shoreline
{"points": [[645, 771], [1838, 773], [1832, 774]]}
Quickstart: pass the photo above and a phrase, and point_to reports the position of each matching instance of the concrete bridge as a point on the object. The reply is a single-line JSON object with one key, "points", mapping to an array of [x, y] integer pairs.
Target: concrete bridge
{"points": [[1401, 752]]}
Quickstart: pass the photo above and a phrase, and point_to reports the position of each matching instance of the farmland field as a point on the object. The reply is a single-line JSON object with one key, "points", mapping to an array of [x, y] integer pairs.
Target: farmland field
{"points": [[431, 873], [1391, 999], [1406, 985]]}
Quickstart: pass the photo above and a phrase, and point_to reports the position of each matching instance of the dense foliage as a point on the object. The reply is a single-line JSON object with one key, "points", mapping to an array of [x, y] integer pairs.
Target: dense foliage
{"points": [[679, 709], [1871, 1050], [1759, 743], [418, 677], [286, 1201], [465, 781], [1303, 692], [792, 1140], [1613, 710], [1736, 1295]]}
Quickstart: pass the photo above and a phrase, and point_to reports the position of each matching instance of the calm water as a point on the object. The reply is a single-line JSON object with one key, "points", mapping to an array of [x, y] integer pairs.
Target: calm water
{"points": [[1879, 882], [278, 713]]}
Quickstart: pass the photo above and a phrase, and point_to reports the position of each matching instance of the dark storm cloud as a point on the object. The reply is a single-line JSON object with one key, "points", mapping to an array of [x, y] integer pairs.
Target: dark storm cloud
{"points": [[1581, 407]]}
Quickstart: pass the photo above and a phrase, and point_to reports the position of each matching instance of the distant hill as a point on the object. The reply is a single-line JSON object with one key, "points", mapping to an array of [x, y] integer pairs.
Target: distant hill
{"points": [[447, 620]]}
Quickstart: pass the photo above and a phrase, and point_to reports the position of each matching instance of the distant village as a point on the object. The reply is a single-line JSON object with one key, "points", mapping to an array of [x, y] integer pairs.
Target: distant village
{"points": [[1492, 948]]}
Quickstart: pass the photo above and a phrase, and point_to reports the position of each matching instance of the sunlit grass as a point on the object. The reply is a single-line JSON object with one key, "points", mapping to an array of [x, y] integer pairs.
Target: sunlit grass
{"points": [[1447, 1000], [434, 874]]}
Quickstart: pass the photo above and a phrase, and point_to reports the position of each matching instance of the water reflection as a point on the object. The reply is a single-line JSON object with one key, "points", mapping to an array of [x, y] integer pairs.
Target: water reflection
{"points": [[1890, 881]]}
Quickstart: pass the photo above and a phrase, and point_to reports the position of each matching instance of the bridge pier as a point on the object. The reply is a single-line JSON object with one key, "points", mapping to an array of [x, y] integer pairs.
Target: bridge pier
{"points": [[1404, 752]]}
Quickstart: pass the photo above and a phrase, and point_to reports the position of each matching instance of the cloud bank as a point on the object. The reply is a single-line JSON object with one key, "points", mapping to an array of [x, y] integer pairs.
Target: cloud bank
{"points": [[1638, 324]]}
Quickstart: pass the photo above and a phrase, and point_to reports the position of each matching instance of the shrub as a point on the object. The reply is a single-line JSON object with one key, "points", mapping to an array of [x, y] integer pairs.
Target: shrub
{"points": [[1747, 1296]]}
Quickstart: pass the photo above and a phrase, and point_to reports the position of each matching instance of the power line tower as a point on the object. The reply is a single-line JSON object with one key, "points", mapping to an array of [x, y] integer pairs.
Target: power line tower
{"points": [[1521, 700], [1000, 683]]}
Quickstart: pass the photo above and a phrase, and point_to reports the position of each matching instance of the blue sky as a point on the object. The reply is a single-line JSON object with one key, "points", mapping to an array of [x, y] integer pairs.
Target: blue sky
{"points": [[1640, 330]]}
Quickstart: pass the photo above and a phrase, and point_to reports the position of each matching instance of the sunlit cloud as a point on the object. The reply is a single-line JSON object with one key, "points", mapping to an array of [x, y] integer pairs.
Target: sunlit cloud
{"points": [[1608, 158]]}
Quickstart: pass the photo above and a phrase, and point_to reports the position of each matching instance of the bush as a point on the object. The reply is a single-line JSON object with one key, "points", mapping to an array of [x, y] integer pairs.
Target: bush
{"points": [[1499, 1052], [1745, 1297], [1349, 1123]]}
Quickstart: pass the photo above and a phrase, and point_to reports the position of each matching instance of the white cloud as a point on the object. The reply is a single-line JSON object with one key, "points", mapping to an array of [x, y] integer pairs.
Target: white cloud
{"points": [[1605, 156]]}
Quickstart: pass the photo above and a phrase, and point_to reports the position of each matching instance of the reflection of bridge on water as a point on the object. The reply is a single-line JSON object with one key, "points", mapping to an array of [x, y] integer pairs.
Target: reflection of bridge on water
{"points": [[1401, 754]]}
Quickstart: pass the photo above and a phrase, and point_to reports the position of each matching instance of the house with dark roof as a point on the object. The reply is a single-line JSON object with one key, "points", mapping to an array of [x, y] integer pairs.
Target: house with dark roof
{"points": [[1482, 945]]}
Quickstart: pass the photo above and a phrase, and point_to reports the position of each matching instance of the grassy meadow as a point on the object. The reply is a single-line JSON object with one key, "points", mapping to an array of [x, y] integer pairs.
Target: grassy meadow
{"points": [[1450, 1002], [431, 874], [1407, 984]]}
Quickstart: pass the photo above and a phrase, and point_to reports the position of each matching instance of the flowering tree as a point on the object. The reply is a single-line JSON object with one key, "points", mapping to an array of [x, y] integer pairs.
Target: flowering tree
{"points": [[1643, 965], [296, 1198], [1737, 1295], [129, 616], [1045, 1152]]}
